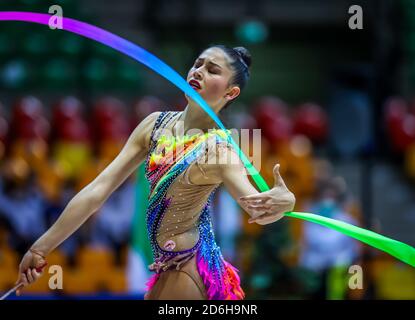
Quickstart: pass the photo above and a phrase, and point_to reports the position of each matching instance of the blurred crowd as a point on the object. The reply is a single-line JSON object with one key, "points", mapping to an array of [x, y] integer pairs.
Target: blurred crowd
{"points": [[49, 153]]}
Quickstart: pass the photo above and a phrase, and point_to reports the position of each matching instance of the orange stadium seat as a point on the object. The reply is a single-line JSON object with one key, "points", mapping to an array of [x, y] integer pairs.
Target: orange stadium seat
{"points": [[95, 258], [116, 281], [78, 281]]}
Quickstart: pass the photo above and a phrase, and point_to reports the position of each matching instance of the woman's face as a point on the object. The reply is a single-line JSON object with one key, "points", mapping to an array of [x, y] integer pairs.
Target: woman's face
{"points": [[210, 76]]}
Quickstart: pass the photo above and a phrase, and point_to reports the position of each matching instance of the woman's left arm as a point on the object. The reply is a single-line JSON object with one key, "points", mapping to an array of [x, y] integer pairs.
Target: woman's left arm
{"points": [[263, 207]]}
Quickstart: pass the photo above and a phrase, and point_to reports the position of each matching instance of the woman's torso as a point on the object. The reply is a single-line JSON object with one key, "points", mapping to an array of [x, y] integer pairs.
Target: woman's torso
{"points": [[178, 230], [179, 223]]}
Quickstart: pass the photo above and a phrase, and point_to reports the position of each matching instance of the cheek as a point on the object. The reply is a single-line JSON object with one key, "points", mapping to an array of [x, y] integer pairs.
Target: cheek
{"points": [[217, 87]]}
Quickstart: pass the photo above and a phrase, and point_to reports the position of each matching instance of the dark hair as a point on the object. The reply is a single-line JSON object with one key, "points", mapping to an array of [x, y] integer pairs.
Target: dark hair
{"points": [[240, 60]]}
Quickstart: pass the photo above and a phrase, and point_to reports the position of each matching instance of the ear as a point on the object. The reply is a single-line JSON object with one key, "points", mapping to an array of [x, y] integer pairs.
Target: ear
{"points": [[232, 93]]}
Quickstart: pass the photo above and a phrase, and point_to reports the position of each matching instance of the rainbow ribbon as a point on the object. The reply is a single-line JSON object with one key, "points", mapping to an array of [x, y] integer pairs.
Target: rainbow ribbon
{"points": [[395, 248]]}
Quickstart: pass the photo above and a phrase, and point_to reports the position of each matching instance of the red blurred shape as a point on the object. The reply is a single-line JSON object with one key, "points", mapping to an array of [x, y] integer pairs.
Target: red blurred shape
{"points": [[68, 121], [279, 130], [404, 135], [311, 121], [4, 127], [110, 119], [28, 121], [108, 108], [27, 107], [267, 108], [271, 114], [68, 108], [74, 131], [396, 110], [143, 107], [400, 123]]}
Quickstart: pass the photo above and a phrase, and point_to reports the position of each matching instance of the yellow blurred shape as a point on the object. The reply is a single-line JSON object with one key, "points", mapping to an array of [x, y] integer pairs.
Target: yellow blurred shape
{"points": [[73, 157], [393, 280], [410, 161]]}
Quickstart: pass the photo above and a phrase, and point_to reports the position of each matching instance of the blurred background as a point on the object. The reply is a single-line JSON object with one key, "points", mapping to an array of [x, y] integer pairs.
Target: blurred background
{"points": [[336, 107]]}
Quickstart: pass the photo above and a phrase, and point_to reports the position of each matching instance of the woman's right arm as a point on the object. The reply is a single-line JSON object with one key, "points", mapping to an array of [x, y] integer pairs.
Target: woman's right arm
{"points": [[90, 198]]}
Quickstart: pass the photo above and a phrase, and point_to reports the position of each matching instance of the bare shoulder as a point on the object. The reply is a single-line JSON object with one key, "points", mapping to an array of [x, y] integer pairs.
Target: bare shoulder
{"points": [[142, 131]]}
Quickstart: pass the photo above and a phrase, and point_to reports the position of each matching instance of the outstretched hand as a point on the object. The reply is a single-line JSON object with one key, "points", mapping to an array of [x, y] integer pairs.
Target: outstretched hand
{"points": [[270, 206]]}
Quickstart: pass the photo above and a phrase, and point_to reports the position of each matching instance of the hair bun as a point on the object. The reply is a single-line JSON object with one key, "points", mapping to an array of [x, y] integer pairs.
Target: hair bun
{"points": [[245, 55]]}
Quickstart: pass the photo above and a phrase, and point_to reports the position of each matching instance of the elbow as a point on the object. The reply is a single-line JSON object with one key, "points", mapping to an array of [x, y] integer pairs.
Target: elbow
{"points": [[92, 198]]}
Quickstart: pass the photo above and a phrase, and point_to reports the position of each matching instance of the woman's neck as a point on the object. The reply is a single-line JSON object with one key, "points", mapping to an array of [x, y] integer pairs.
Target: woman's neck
{"points": [[194, 117]]}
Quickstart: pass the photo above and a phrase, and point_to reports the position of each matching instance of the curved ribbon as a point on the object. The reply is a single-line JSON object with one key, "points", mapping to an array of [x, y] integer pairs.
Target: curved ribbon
{"points": [[395, 248], [398, 249]]}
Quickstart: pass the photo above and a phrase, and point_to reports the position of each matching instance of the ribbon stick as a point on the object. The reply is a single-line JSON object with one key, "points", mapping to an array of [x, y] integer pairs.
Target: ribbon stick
{"points": [[397, 249]]}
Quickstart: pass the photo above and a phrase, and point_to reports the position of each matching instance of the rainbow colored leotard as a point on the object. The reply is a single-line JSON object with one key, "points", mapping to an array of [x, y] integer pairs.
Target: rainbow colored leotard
{"points": [[178, 216]]}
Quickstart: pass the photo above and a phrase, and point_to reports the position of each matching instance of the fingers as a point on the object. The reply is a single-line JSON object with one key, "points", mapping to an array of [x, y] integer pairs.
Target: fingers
{"points": [[263, 221], [257, 207], [29, 276], [278, 180], [35, 275], [253, 220], [26, 278], [260, 207], [255, 213], [19, 290], [260, 197], [277, 176], [266, 218], [255, 203], [30, 269], [32, 275], [23, 281], [264, 204]]}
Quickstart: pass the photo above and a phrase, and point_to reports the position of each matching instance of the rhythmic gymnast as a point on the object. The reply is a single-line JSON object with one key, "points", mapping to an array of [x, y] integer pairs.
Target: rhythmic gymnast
{"points": [[187, 263]]}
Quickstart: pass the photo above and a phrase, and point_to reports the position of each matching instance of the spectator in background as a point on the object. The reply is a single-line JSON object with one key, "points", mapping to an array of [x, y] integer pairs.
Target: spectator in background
{"points": [[227, 220], [54, 208], [21, 205], [112, 225], [326, 253]]}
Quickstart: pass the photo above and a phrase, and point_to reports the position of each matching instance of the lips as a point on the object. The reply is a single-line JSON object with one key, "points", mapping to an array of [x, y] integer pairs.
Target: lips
{"points": [[195, 84]]}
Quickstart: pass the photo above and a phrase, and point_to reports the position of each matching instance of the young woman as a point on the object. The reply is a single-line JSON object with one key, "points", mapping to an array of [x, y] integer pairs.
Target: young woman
{"points": [[187, 262]]}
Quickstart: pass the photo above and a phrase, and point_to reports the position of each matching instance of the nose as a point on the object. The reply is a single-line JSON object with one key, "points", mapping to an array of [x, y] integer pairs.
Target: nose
{"points": [[197, 74]]}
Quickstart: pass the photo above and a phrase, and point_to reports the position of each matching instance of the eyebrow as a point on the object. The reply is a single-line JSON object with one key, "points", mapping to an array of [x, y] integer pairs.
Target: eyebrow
{"points": [[210, 62]]}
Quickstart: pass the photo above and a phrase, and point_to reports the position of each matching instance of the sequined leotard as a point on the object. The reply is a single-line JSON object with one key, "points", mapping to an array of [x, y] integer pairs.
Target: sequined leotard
{"points": [[178, 215]]}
